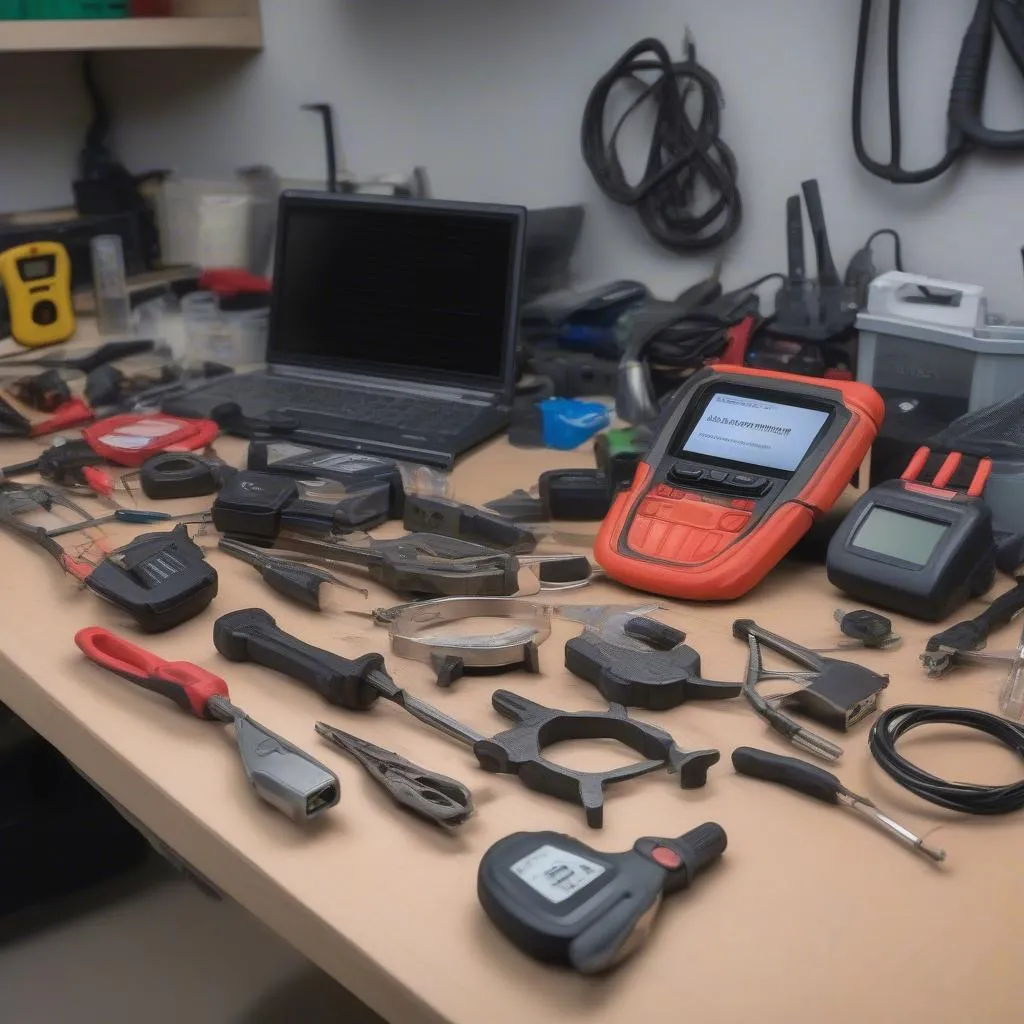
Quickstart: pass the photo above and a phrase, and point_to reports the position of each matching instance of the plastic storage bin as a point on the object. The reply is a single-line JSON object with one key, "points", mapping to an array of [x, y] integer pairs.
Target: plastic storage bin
{"points": [[951, 357]]}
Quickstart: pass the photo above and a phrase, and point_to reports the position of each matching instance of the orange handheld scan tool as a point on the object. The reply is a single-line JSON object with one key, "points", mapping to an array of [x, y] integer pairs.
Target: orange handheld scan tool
{"points": [[746, 460]]}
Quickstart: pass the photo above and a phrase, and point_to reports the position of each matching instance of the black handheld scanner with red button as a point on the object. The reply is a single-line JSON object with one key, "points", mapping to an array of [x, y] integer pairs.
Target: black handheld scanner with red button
{"points": [[563, 902], [745, 462]]}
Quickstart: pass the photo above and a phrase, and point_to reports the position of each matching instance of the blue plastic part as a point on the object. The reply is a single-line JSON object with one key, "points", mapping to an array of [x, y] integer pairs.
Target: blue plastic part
{"points": [[569, 422]]}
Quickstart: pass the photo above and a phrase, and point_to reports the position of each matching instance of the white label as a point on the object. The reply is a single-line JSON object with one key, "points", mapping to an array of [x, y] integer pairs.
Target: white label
{"points": [[556, 874]]}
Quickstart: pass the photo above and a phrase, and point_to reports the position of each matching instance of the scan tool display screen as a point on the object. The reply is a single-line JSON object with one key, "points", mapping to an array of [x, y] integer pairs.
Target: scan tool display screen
{"points": [[754, 431], [909, 538]]}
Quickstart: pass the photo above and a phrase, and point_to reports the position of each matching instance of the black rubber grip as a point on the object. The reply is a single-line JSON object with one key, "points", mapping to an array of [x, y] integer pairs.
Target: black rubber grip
{"points": [[252, 635], [178, 475], [971, 634], [293, 581], [653, 632], [438, 566], [741, 628], [565, 570], [787, 771]]}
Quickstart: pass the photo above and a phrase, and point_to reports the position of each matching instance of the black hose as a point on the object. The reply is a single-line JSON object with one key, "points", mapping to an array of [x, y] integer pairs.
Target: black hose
{"points": [[957, 796]]}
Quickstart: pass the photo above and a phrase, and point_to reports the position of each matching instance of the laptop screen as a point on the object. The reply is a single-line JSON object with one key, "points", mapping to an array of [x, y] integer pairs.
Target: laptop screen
{"points": [[418, 289]]}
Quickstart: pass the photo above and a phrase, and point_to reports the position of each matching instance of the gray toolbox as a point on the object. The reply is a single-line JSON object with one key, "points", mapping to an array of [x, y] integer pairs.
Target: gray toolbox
{"points": [[934, 344]]}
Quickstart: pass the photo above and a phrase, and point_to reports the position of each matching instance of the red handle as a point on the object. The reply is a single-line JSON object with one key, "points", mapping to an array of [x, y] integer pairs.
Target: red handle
{"points": [[188, 685], [71, 413], [98, 481]]}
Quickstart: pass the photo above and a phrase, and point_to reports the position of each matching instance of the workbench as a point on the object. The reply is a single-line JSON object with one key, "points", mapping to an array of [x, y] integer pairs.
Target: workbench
{"points": [[811, 915]]}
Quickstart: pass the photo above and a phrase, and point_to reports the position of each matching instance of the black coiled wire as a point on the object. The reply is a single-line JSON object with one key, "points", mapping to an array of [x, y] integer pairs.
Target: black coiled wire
{"points": [[957, 796], [686, 157]]}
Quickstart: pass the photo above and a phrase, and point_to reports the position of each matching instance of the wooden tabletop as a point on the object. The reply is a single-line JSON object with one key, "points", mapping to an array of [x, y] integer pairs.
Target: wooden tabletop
{"points": [[812, 915]]}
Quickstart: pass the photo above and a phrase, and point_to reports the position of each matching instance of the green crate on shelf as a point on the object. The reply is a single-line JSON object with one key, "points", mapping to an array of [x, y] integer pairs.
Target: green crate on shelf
{"points": [[85, 9]]}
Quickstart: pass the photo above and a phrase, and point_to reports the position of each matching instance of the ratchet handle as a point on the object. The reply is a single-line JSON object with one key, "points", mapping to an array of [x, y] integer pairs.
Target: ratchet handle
{"points": [[252, 635], [188, 685], [788, 771], [971, 634], [454, 519]]}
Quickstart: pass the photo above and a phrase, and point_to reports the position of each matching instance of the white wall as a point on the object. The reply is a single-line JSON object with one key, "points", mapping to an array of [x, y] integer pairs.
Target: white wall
{"points": [[488, 95]]}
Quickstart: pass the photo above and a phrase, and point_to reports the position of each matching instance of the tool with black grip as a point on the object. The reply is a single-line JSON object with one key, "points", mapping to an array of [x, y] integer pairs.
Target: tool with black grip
{"points": [[284, 776], [291, 579], [419, 563], [430, 795], [822, 785], [956, 645], [478, 525], [252, 635], [643, 664], [182, 475], [108, 352], [562, 902]]}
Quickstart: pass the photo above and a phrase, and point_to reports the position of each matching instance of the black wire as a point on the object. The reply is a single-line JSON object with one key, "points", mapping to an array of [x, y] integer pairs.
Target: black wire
{"points": [[957, 796], [892, 171], [683, 151], [897, 244]]}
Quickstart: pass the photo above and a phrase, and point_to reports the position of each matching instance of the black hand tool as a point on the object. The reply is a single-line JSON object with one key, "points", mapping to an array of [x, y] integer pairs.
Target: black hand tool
{"points": [[562, 902], [465, 522], [182, 475], [290, 780], [866, 628], [953, 646], [108, 352], [646, 666], [837, 693], [291, 579], [420, 563], [822, 785], [435, 797], [252, 635]]}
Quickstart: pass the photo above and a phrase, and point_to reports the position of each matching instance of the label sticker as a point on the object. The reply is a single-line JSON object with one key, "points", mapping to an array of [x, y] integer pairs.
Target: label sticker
{"points": [[556, 874]]}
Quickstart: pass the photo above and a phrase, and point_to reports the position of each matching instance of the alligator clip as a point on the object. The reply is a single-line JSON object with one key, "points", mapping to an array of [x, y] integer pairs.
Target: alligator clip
{"points": [[436, 797]]}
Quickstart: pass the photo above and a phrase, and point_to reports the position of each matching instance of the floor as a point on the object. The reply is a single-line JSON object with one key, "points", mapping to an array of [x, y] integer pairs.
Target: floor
{"points": [[152, 947]]}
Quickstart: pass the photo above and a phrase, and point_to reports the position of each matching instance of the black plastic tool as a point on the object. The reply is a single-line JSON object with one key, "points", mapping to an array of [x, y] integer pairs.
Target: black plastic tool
{"points": [[867, 628], [942, 650], [430, 795], [300, 583], [160, 579], [562, 902], [824, 786], [837, 693], [658, 671], [449, 518], [252, 635], [421, 563], [108, 352], [182, 475], [249, 506]]}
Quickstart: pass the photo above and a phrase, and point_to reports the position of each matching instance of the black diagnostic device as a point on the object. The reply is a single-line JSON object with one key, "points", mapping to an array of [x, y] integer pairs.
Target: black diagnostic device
{"points": [[249, 506], [562, 902], [160, 579], [352, 469], [919, 549]]}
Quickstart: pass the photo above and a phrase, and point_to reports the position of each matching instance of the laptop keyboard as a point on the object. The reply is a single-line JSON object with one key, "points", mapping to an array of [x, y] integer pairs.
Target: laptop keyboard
{"points": [[382, 408]]}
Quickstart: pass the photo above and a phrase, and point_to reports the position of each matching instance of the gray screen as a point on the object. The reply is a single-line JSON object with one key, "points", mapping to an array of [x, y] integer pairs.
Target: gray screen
{"points": [[899, 536]]}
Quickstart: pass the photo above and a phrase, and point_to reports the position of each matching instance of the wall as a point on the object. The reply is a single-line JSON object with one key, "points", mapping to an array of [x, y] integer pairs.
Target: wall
{"points": [[488, 95]]}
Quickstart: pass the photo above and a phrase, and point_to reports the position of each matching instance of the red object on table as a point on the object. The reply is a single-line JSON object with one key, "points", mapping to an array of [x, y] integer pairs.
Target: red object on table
{"points": [[151, 8]]}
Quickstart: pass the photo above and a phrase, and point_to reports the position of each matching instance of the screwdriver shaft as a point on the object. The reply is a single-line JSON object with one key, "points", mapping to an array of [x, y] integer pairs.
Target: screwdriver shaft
{"points": [[866, 809]]}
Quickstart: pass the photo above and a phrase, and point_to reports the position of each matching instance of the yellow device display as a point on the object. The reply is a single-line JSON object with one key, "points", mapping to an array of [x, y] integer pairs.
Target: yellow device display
{"points": [[37, 280]]}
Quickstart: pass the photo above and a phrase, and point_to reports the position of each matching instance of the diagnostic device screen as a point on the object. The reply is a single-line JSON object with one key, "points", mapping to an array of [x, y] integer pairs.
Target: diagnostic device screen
{"points": [[36, 267], [897, 535], [755, 431]]}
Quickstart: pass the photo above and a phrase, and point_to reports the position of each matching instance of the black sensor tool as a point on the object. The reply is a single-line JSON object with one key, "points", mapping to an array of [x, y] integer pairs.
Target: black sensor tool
{"points": [[562, 902]]}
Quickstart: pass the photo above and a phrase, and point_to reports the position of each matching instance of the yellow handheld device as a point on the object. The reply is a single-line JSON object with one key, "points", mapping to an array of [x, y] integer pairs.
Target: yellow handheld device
{"points": [[37, 280]]}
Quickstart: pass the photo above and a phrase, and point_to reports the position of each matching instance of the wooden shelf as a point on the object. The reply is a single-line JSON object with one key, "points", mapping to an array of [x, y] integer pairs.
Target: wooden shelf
{"points": [[243, 32]]}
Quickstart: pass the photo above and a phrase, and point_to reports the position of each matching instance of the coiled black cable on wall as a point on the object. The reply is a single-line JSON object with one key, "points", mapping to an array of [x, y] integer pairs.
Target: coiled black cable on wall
{"points": [[687, 198]]}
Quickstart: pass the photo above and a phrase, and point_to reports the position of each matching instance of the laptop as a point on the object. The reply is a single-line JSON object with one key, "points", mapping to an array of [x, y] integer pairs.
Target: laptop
{"points": [[392, 326]]}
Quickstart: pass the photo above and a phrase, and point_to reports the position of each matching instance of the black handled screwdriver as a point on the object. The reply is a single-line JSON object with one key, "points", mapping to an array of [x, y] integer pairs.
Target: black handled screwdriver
{"points": [[822, 785]]}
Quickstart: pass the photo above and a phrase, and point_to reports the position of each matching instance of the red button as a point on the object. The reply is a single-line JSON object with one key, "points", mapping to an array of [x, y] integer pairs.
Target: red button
{"points": [[662, 491], [743, 503], [666, 858]]}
